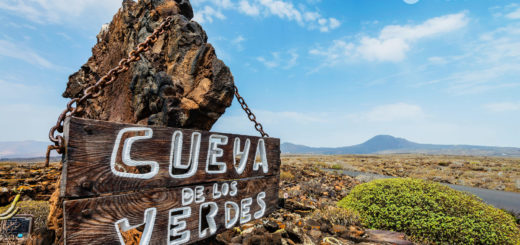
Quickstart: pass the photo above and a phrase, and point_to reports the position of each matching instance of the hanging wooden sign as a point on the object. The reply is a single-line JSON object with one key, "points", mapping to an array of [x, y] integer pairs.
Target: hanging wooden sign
{"points": [[134, 184]]}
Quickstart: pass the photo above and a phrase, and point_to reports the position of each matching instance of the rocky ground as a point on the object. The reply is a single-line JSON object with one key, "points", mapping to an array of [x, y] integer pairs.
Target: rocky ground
{"points": [[495, 173], [35, 181], [307, 214]]}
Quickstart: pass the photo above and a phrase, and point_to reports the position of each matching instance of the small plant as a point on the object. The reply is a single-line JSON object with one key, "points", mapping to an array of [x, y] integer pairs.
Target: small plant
{"points": [[336, 166], [285, 175], [431, 212], [322, 164], [444, 164], [338, 216]]}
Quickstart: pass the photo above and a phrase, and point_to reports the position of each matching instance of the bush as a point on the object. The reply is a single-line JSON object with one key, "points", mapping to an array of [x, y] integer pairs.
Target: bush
{"points": [[284, 175], [337, 216], [337, 166], [431, 212]]}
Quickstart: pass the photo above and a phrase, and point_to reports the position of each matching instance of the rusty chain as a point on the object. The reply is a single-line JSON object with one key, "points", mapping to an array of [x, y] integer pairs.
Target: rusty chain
{"points": [[250, 114], [96, 89]]}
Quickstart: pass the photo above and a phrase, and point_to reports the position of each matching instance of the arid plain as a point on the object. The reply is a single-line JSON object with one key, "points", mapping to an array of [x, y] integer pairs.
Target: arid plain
{"points": [[495, 173]]}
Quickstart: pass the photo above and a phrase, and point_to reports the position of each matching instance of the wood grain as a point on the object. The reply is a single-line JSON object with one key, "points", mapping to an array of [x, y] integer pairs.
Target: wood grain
{"points": [[89, 145], [91, 221]]}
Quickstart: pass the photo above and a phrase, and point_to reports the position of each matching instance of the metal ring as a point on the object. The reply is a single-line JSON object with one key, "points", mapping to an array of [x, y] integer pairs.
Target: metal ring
{"points": [[51, 135], [69, 105]]}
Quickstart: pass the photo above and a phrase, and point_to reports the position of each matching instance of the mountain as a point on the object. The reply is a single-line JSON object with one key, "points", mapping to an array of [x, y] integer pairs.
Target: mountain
{"points": [[381, 144], [386, 144], [23, 149]]}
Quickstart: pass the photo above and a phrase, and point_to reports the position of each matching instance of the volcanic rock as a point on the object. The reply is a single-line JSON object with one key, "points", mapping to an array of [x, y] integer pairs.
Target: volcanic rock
{"points": [[180, 82]]}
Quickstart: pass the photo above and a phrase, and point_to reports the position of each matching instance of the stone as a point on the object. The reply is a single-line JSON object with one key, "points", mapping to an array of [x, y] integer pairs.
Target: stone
{"points": [[271, 226], [353, 233], [391, 237], [298, 207], [5, 194], [338, 229], [179, 83], [249, 230], [325, 226], [295, 234], [315, 234]]}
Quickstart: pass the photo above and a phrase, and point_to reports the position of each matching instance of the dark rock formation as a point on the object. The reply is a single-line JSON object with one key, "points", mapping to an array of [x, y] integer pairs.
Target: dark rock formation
{"points": [[178, 83]]}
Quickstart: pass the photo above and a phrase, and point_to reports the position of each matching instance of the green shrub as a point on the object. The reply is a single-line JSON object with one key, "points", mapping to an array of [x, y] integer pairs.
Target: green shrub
{"points": [[431, 212], [337, 166]]}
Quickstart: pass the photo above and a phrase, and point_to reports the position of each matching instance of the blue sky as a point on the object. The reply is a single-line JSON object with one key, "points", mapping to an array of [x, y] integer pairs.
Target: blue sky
{"points": [[316, 72]]}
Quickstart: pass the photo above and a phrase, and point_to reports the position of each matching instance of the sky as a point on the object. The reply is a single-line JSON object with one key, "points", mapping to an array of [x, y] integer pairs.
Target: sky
{"points": [[315, 72]]}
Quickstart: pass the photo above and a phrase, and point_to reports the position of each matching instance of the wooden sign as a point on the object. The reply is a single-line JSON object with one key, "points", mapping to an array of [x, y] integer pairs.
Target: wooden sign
{"points": [[134, 184]]}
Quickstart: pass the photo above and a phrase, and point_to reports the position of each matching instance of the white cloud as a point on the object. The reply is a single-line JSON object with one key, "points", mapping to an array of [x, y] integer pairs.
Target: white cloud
{"points": [[29, 106], [284, 60], [411, 1], [391, 112], [438, 60], [248, 9], [393, 42], [334, 23], [28, 127], [503, 107], [514, 15], [374, 49], [60, 11], [17, 91], [207, 14], [220, 3], [269, 63], [334, 129], [26, 54], [336, 52], [326, 25], [433, 26], [489, 62], [284, 10], [293, 59], [237, 42], [265, 8], [298, 127], [476, 81], [311, 16], [238, 39]]}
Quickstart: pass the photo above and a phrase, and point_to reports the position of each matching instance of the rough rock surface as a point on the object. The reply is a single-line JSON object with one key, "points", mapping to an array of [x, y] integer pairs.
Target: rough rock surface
{"points": [[36, 182], [179, 82]]}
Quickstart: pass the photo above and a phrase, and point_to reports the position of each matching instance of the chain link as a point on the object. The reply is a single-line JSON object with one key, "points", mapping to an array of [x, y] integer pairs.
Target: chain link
{"points": [[250, 114], [96, 90]]}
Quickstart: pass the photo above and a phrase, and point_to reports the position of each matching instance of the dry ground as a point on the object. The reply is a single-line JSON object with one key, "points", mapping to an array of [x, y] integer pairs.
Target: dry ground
{"points": [[497, 173]]}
